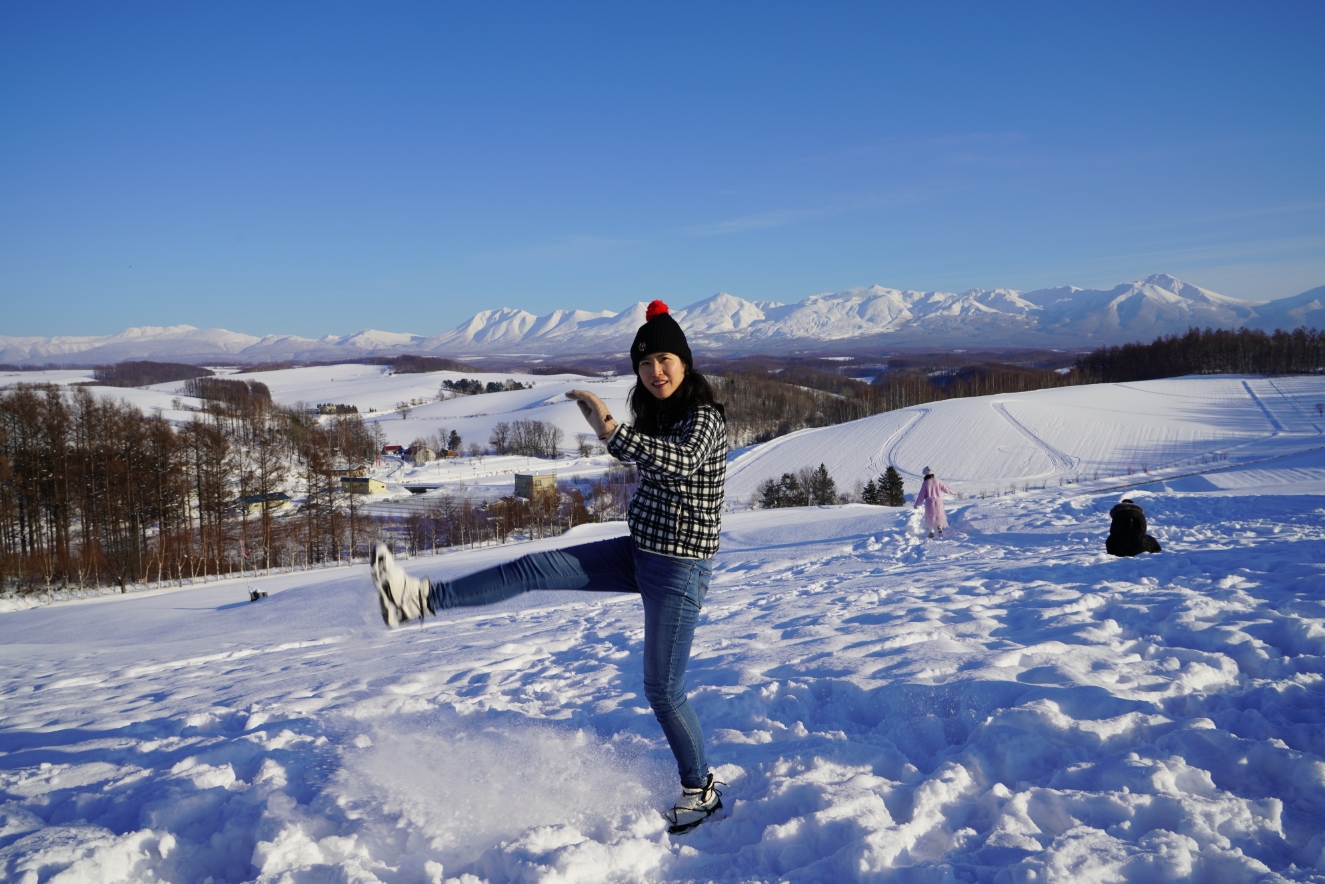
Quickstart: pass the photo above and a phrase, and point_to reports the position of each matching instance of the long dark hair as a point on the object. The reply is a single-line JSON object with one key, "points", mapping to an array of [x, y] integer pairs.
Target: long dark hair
{"points": [[655, 416]]}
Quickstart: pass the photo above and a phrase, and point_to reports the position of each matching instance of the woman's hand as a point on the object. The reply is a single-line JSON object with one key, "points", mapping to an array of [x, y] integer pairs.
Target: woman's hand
{"points": [[595, 412]]}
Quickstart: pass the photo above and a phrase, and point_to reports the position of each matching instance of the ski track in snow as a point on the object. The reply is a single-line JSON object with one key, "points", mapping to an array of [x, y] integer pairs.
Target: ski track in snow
{"points": [[1063, 463], [1295, 405], [894, 442], [1007, 704], [1269, 416]]}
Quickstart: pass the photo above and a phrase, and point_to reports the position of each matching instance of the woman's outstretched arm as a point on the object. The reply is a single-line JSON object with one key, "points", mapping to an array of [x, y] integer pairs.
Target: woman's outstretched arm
{"points": [[701, 432]]}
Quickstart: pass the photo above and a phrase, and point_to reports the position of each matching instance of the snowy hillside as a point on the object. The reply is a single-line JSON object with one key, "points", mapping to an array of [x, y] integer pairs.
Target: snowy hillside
{"points": [[1007, 704], [1103, 433], [984, 445], [874, 315]]}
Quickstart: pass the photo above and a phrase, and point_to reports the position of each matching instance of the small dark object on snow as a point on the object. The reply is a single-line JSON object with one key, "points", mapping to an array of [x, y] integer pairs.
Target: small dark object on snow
{"points": [[254, 595], [1127, 534]]}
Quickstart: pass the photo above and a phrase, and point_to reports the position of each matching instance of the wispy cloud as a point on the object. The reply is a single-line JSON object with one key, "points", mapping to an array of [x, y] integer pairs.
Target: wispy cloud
{"points": [[761, 220], [562, 248], [783, 217], [1215, 253], [962, 147], [1237, 215]]}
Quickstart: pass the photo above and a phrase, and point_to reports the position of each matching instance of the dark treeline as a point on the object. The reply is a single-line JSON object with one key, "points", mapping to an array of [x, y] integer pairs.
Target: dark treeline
{"points": [[142, 374], [94, 492], [44, 366], [473, 387], [561, 369], [1212, 351], [234, 397], [410, 364]]}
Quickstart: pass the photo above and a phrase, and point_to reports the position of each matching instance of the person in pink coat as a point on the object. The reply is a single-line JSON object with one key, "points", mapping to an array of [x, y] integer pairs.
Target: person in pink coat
{"points": [[931, 495]]}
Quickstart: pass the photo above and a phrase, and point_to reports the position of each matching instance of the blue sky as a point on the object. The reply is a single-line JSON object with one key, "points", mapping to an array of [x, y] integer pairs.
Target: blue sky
{"points": [[320, 168]]}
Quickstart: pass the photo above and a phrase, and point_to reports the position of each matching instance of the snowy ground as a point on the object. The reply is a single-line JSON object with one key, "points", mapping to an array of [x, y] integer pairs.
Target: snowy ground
{"points": [[1007, 704]]}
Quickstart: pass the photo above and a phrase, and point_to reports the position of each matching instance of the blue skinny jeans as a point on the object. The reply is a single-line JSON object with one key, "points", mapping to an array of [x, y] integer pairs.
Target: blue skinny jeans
{"points": [[672, 590]]}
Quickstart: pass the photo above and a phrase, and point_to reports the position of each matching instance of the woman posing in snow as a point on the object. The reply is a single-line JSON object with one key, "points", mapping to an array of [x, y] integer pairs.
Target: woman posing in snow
{"points": [[679, 443], [931, 495]]}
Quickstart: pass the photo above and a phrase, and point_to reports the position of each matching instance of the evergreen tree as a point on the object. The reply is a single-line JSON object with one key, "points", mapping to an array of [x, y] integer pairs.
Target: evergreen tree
{"points": [[821, 490], [871, 493], [791, 491], [891, 490], [784, 492]]}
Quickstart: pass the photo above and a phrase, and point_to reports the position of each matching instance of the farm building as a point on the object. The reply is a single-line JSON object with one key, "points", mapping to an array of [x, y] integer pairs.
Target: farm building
{"points": [[259, 502], [526, 484], [361, 485]]}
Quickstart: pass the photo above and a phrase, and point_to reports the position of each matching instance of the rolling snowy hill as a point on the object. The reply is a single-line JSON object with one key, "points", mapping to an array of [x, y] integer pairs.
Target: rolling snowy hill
{"points": [[1009, 703], [871, 316]]}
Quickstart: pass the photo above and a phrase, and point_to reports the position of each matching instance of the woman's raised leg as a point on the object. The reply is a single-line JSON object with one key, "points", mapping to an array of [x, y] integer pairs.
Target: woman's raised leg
{"points": [[600, 566]]}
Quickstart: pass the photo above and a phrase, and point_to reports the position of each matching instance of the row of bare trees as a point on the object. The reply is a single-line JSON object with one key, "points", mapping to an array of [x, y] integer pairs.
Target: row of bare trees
{"points": [[531, 438], [94, 492]]}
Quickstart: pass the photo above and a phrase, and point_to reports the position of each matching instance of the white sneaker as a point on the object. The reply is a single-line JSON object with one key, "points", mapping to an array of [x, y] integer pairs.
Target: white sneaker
{"points": [[401, 596], [694, 806]]}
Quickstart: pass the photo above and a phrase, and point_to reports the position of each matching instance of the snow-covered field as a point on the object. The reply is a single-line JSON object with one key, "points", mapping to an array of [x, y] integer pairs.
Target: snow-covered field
{"points": [[376, 392], [1007, 704]]}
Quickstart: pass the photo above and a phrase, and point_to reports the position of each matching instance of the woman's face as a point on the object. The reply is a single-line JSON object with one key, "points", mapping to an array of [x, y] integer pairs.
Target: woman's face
{"points": [[662, 373]]}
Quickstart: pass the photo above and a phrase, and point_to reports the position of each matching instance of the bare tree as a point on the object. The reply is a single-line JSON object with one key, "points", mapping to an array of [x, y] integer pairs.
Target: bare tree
{"points": [[500, 440]]}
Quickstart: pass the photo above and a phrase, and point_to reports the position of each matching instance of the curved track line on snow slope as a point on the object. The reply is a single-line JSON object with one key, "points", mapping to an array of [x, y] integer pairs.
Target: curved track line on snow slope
{"points": [[1061, 460], [890, 444], [1274, 422]]}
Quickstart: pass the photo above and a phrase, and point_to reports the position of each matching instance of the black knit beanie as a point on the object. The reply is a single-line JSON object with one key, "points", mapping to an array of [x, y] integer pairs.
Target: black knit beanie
{"points": [[659, 334]]}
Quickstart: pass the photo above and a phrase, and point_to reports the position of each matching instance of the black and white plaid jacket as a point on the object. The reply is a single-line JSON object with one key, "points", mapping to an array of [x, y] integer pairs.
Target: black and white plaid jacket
{"points": [[677, 510]]}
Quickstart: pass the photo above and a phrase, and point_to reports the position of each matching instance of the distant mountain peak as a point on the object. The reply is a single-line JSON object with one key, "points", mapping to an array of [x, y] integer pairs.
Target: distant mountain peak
{"points": [[1163, 280]]}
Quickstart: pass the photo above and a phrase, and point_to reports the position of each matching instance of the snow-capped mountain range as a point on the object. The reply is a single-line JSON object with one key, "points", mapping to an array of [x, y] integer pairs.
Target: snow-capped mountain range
{"points": [[862, 317]]}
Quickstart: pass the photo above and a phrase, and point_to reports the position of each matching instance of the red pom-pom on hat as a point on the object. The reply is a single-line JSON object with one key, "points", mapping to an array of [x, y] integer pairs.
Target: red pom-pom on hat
{"points": [[657, 308]]}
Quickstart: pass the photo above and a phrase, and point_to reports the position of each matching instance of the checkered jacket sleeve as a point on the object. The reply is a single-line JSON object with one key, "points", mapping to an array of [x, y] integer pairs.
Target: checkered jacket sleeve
{"points": [[677, 509]]}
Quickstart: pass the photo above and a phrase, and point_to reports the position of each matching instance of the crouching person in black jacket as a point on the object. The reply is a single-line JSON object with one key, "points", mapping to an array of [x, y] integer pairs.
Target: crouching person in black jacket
{"points": [[1127, 534]]}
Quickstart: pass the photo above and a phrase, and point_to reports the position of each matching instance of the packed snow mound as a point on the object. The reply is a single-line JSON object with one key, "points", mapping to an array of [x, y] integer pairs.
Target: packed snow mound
{"points": [[1062, 316], [1005, 704]]}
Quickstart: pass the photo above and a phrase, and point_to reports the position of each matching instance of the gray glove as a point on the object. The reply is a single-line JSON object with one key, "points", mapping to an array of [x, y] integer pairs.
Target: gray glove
{"points": [[595, 412]]}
